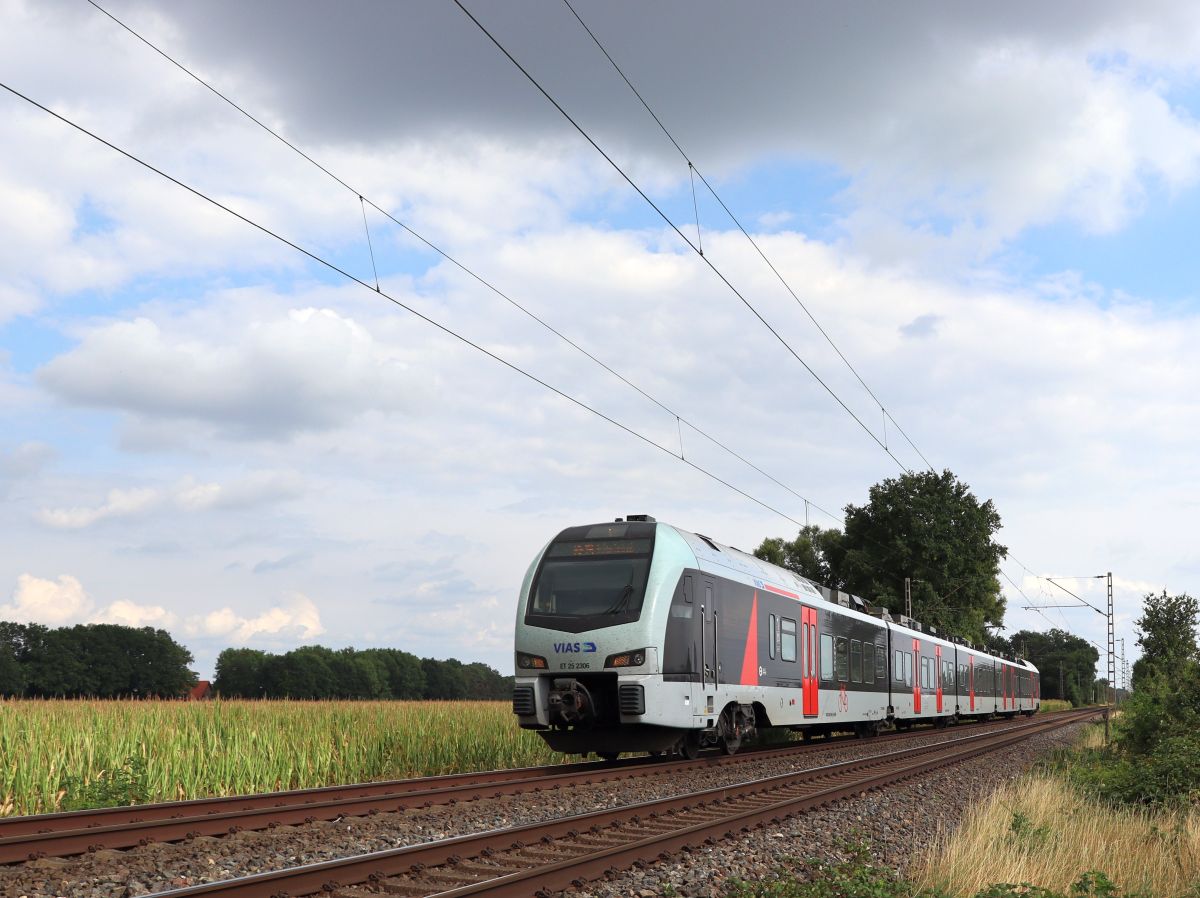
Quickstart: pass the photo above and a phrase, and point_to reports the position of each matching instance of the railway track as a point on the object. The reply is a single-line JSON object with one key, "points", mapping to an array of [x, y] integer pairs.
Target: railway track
{"points": [[541, 858], [64, 834]]}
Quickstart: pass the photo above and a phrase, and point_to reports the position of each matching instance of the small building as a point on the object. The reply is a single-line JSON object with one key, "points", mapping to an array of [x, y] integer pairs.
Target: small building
{"points": [[202, 691]]}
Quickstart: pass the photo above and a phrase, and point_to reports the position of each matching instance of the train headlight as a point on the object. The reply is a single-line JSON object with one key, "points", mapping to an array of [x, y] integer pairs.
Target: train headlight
{"points": [[530, 662], [632, 658]]}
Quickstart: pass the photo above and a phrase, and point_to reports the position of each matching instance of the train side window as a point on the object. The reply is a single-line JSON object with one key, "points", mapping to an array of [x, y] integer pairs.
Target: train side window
{"points": [[868, 662], [898, 667], [842, 658], [908, 669], [787, 636], [855, 661], [880, 663], [771, 644], [826, 656]]}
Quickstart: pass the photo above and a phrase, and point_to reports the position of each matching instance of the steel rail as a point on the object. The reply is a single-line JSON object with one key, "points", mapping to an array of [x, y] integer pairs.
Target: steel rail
{"points": [[63, 834], [628, 831]]}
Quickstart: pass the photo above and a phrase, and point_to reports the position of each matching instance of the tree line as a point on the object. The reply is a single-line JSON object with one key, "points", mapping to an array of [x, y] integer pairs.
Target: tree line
{"points": [[114, 661], [1066, 663], [93, 661], [315, 672]]}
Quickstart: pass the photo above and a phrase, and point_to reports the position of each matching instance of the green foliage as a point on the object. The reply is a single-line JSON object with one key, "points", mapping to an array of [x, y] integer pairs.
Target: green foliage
{"points": [[1157, 737], [815, 553], [1166, 776], [223, 747], [124, 785], [317, 672], [12, 672], [925, 526], [1092, 884], [1166, 634], [239, 672], [858, 877], [1053, 648], [1024, 833], [94, 660], [855, 876]]}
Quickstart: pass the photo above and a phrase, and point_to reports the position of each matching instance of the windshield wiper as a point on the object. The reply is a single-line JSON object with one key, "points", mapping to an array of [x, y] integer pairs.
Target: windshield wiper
{"points": [[622, 601]]}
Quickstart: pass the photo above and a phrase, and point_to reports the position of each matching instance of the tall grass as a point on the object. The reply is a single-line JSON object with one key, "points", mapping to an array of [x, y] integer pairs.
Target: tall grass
{"points": [[1040, 830], [57, 754], [1054, 704]]}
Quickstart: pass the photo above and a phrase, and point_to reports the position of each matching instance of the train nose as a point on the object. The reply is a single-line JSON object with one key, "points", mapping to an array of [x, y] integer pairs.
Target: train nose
{"points": [[571, 704]]}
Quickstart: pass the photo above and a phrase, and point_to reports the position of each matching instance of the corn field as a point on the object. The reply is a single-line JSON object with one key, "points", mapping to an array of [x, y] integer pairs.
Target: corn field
{"points": [[57, 755]]}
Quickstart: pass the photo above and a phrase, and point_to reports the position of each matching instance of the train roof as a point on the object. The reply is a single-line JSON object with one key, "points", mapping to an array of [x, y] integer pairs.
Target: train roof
{"points": [[709, 551]]}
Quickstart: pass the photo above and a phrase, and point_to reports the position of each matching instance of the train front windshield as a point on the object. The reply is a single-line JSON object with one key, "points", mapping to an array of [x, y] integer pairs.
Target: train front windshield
{"points": [[584, 584]]}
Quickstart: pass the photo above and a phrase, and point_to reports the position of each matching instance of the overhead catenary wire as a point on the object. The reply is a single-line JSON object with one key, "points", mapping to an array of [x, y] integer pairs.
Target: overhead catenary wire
{"points": [[315, 257], [674, 227], [416, 235], [694, 172], [365, 201]]}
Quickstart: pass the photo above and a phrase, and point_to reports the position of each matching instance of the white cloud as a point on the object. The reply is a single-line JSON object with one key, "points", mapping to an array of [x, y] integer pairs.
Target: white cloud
{"points": [[131, 614], [298, 618], [308, 369], [187, 495], [51, 602], [63, 602], [119, 504], [25, 459]]}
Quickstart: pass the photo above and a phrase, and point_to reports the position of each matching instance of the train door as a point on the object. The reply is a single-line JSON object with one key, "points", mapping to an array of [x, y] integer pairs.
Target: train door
{"points": [[709, 639], [971, 678], [916, 676], [939, 673], [808, 660]]}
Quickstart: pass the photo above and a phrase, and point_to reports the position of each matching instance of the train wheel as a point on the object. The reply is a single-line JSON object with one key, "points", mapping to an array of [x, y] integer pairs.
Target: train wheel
{"points": [[608, 755], [733, 726], [689, 745]]}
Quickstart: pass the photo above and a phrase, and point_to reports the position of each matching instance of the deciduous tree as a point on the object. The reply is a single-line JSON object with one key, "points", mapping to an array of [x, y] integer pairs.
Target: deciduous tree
{"points": [[926, 526]]}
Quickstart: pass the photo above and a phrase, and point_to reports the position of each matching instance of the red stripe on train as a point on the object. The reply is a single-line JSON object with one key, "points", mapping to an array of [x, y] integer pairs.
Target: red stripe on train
{"points": [[750, 658], [782, 592]]}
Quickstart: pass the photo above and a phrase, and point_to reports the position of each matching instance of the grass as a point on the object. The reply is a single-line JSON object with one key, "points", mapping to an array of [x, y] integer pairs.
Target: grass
{"points": [[1054, 704], [57, 755], [1039, 829]]}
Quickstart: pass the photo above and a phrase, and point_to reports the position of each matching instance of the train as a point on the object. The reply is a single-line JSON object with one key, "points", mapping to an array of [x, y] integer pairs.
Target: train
{"points": [[638, 636]]}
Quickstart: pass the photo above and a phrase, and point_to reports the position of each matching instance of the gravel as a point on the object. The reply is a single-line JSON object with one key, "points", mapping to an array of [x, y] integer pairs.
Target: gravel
{"points": [[889, 820], [897, 825]]}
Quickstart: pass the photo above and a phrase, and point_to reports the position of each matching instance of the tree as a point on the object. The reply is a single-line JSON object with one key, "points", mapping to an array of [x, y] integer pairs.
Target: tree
{"points": [[815, 553], [1166, 633], [358, 675], [1067, 663], [239, 673], [54, 663], [444, 679], [926, 526], [405, 676], [12, 670]]}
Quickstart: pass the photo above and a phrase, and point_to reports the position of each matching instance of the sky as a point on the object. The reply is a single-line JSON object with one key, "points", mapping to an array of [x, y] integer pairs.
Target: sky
{"points": [[204, 429]]}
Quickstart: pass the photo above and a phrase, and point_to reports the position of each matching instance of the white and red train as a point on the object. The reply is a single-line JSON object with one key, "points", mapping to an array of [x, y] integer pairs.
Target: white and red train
{"points": [[640, 636]]}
